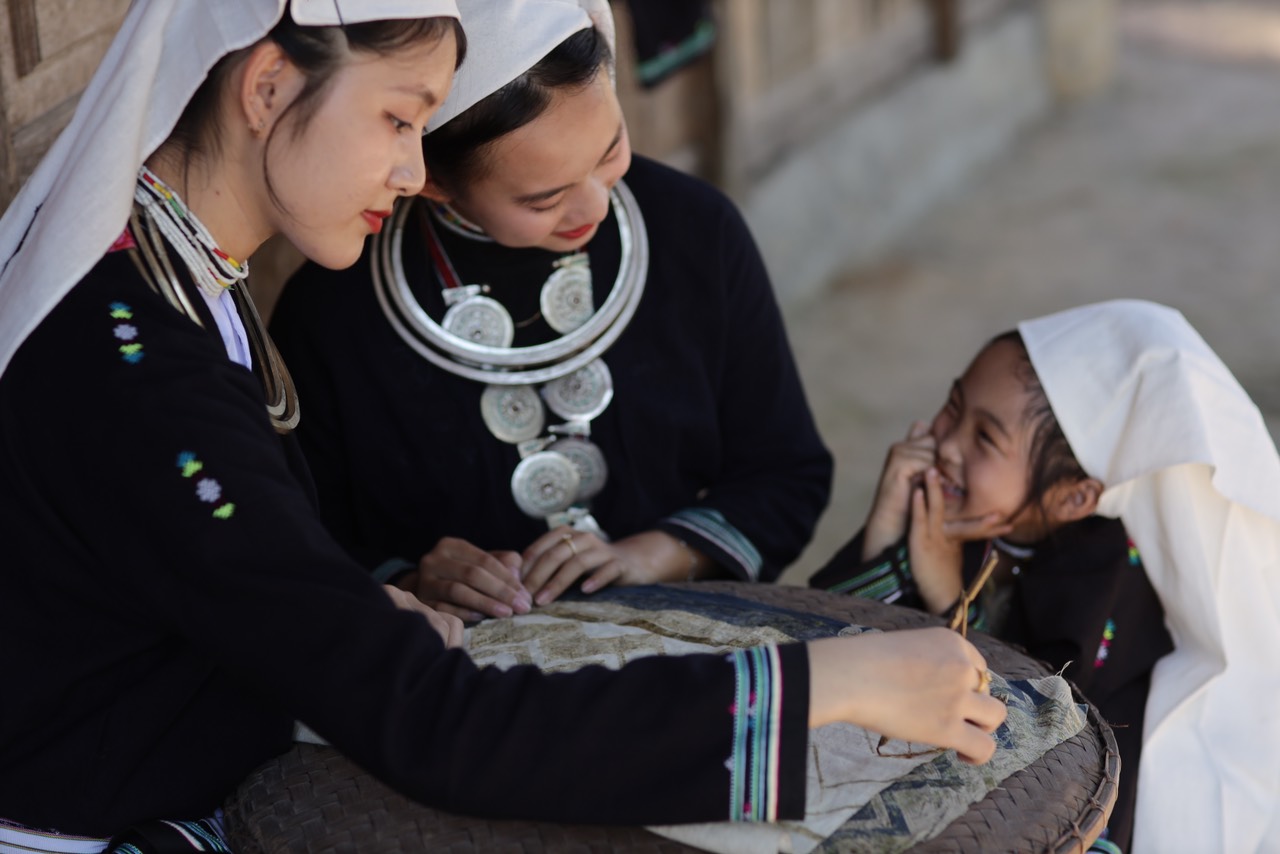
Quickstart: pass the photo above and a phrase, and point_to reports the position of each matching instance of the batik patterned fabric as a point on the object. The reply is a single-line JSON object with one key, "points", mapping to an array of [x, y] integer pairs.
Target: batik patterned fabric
{"points": [[894, 794], [152, 837]]}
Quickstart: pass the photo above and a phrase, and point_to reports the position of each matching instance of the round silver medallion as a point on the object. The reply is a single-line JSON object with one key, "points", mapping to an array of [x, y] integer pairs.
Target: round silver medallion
{"points": [[566, 299], [513, 413], [544, 483], [480, 320], [588, 459], [581, 395]]}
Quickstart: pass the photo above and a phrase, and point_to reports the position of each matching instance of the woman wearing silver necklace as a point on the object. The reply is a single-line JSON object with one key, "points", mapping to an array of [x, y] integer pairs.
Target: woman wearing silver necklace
{"points": [[563, 364], [170, 603]]}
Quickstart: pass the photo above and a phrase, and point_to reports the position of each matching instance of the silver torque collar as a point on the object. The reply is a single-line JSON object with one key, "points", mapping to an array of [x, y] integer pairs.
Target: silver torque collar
{"points": [[512, 365]]}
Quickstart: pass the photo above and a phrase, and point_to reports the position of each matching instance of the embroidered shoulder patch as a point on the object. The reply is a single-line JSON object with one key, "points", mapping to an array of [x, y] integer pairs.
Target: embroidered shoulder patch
{"points": [[125, 332], [208, 490]]}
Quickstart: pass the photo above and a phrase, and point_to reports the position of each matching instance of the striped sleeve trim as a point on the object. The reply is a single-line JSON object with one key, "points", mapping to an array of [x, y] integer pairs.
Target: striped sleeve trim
{"points": [[391, 569], [755, 762], [886, 581], [711, 527]]}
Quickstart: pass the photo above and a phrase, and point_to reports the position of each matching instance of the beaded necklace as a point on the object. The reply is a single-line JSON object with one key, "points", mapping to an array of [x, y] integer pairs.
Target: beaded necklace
{"points": [[211, 268]]}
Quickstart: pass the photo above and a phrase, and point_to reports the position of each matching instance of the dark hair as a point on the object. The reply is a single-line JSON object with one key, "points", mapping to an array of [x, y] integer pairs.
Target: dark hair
{"points": [[318, 52], [1051, 459], [455, 151]]}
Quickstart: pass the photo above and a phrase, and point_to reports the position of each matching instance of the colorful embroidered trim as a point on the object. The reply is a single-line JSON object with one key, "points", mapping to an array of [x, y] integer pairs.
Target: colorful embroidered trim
{"points": [[887, 581], [757, 720], [131, 349], [208, 490], [673, 56], [1134, 560], [711, 526], [20, 839], [1104, 648], [1104, 846]]}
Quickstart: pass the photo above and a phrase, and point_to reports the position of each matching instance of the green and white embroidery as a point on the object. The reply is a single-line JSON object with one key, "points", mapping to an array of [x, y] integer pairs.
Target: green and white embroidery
{"points": [[208, 489], [131, 349]]}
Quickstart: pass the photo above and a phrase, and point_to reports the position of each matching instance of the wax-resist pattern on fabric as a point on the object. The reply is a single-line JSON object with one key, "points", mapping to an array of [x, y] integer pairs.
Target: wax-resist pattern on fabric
{"points": [[847, 766], [125, 332], [711, 526], [207, 489], [921, 803], [756, 711]]}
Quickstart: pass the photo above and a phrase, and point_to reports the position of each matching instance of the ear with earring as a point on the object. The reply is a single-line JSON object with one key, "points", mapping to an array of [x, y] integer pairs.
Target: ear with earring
{"points": [[258, 128]]}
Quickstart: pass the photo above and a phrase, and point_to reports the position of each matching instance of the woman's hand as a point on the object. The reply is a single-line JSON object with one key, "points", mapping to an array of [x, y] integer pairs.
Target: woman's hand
{"points": [[447, 626], [469, 582], [935, 545], [891, 509], [557, 559], [922, 685]]}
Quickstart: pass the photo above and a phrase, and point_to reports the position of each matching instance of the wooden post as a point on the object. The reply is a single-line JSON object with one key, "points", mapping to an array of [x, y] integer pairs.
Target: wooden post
{"points": [[947, 29], [24, 30], [1080, 43]]}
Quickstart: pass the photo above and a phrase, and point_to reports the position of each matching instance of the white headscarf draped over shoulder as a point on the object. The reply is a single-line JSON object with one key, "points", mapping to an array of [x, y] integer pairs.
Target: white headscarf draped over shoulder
{"points": [[1190, 469], [77, 201], [505, 39]]}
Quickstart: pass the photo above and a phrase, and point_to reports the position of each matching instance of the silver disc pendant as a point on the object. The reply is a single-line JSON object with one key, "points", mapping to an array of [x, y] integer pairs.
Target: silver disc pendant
{"points": [[480, 320], [588, 459], [581, 395], [513, 413], [544, 483], [566, 298]]}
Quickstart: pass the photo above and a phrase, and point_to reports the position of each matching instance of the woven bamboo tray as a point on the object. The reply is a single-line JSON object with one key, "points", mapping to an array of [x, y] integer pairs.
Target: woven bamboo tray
{"points": [[312, 799]]}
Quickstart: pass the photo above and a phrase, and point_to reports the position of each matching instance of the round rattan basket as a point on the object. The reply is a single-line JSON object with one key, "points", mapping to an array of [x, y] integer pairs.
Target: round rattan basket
{"points": [[312, 799]]}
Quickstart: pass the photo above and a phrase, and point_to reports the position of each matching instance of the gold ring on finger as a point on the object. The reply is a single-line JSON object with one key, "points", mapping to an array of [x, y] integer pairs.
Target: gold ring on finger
{"points": [[568, 541], [984, 680]]}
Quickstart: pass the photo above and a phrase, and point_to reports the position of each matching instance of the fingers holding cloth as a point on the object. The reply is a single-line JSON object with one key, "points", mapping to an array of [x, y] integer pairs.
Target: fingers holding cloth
{"points": [[921, 685]]}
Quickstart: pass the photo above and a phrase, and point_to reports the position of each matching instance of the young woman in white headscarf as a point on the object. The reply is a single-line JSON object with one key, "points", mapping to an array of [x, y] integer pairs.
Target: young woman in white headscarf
{"points": [[563, 364], [170, 602]]}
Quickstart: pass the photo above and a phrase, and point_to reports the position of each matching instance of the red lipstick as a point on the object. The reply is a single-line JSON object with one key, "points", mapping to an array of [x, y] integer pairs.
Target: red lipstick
{"points": [[374, 219], [580, 231]]}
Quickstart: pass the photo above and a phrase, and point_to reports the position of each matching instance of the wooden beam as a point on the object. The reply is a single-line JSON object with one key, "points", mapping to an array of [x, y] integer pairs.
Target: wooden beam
{"points": [[25, 32], [946, 29]]}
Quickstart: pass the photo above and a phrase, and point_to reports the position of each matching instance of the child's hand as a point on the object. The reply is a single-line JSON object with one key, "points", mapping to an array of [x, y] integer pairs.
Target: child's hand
{"points": [[903, 468], [937, 559]]}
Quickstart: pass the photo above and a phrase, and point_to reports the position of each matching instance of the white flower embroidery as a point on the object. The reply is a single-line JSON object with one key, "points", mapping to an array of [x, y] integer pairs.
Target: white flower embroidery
{"points": [[126, 331], [208, 490]]}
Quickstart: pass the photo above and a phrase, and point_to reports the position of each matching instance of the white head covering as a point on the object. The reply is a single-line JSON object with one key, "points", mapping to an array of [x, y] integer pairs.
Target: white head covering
{"points": [[506, 39], [1190, 469], [77, 201]]}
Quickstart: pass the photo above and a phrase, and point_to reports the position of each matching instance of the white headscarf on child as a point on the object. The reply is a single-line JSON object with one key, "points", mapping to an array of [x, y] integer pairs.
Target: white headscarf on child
{"points": [[77, 201], [1192, 472], [506, 39]]}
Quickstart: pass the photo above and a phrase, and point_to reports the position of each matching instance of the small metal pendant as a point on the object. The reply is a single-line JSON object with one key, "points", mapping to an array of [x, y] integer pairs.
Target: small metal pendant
{"points": [[544, 483], [581, 395], [513, 413], [480, 320], [589, 460], [566, 298]]}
